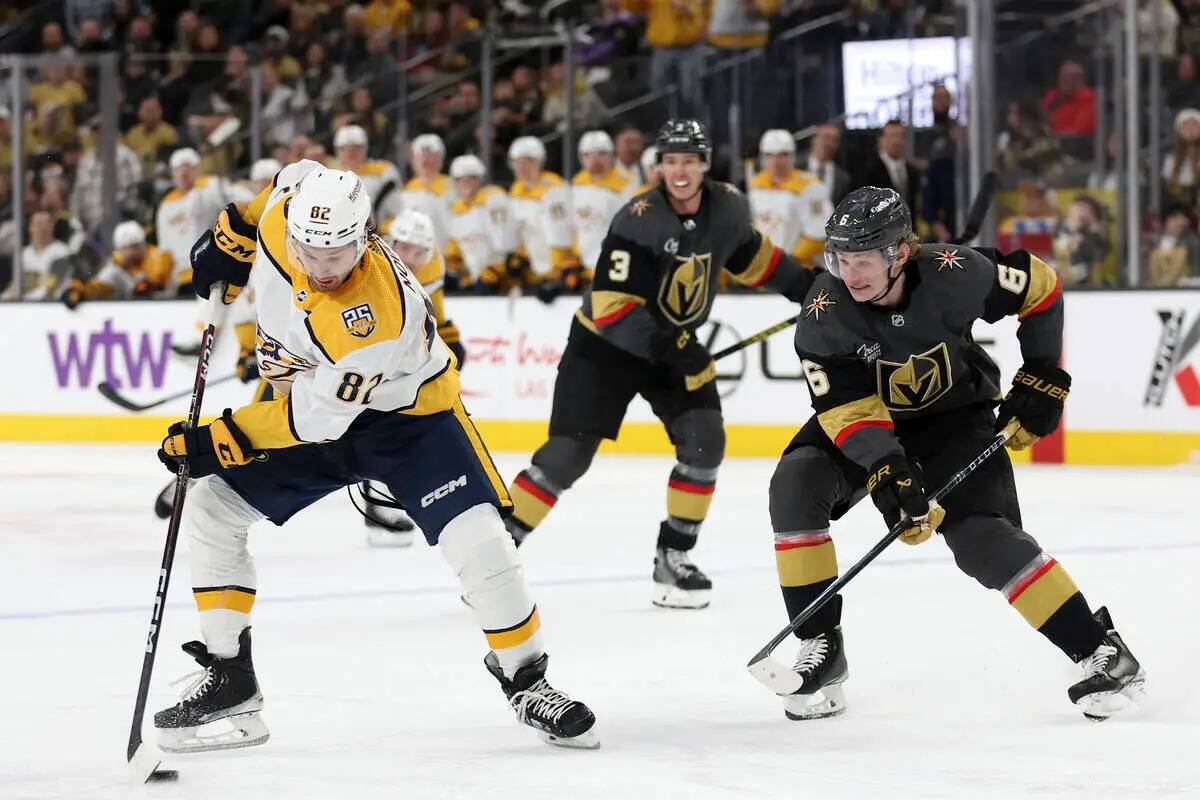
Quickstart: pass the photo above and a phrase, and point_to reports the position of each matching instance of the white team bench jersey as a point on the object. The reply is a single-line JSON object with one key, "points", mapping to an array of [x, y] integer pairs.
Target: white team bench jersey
{"points": [[595, 201], [183, 217], [792, 212], [371, 343]]}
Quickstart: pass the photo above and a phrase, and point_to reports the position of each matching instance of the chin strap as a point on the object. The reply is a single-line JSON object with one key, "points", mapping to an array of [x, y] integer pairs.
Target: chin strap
{"points": [[891, 282]]}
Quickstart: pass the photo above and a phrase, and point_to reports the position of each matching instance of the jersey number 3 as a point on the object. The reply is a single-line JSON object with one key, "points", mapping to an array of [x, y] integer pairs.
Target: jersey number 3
{"points": [[620, 266]]}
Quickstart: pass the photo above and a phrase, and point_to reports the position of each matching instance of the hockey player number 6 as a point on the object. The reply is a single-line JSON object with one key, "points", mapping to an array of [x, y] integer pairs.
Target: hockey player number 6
{"points": [[1011, 279], [818, 381], [620, 266]]}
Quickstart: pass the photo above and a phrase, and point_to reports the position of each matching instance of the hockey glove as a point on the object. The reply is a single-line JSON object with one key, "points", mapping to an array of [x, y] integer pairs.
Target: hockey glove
{"points": [[686, 355], [449, 334], [1035, 401], [247, 366], [224, 253], [515, 265], [72, 296], [206, 449], [898, 494]]}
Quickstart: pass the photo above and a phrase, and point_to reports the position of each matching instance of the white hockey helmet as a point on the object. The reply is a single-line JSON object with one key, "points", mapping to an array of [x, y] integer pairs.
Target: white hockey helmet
{"points": [[649, 159], [467, 166], [595, 142], [128, 234], [776, 140], [184, 157], [264, 169], [527, 147], [412, 227], [329, 210], [429, 142], [350, 136]]}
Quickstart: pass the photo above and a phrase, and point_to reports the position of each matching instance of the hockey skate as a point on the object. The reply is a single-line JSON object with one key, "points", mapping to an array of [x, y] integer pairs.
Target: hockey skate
{"points": [[821, 662], [1112, 677], [387, 526], [557, 718], [225, 690], [678, 583]]}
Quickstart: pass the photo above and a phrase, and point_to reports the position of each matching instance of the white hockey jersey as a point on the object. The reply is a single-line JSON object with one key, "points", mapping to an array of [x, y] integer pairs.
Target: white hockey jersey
{"points": [[433, 199], [369, 344], [181, 219], [381, 179], [793, 212], [594, 203], [481, 234], [540, 215]]}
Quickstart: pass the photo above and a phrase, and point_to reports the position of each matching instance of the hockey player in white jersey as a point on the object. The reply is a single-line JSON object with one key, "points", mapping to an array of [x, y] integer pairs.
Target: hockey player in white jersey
{"points": [[430, 190], [135, 269], [788, 204], [539, 207], [368, 391], [185, 212], [481, 233], [597, 193], [381, 177]]}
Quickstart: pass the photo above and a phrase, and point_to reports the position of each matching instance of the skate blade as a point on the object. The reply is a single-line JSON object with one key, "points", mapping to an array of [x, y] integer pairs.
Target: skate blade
{"points": [[668, 596], [776, 676], [381, 537], [1099, 706], [588, 740], [828, 701], [247, 730]]}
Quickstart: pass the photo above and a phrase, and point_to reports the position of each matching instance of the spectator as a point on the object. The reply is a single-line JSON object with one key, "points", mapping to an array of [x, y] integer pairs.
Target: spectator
{"points": [[675, 29], [554, 106], [186, 26], [1184, 89], [324, 81], [821, 161], [275, 52], [1181, 167], [380, 67], [37, 257], [302, 31], [940, 103], [740, 24], [297, 147], [6, 143], [57, 94], [1024, 149], [53, 201], [137, 83], [351, 48], [939, 206], [629, 144], [527, 94], [615, 34], [139, 38], [1175, 260], [88, 200], [283, 107], [388, 15], [1081, 243], [1037, 215], [1070, 105], [1160, 43], [890, 166], [151, 137], [53, 42]]}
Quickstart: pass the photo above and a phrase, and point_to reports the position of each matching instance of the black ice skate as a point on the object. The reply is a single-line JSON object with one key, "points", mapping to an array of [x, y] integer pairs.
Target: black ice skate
{"points": [[821, 663], [678, 583], [557, 718], [1112, 677], [387, 526], [225, 689]]}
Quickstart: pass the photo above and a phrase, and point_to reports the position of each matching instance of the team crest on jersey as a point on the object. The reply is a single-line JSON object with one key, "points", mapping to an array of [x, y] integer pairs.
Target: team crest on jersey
{"points": [[948, 260], [359, 320], [685, 293], [639, 206], [275, 362], [820, 304], [917, 382]]}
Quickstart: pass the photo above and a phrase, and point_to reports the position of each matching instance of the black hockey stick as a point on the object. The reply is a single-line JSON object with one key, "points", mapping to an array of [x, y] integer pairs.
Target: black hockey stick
{"points": [[978, 211], [143, 763], [775, 675], [112, 395], [756, 338]]}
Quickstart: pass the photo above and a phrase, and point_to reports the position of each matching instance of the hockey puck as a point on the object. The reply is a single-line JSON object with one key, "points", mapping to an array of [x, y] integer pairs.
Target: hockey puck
{"points": [[163, 776]]}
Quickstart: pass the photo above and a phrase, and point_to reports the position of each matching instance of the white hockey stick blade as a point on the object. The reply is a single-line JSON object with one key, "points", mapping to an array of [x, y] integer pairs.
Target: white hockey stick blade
{"points": [[775, 675]]}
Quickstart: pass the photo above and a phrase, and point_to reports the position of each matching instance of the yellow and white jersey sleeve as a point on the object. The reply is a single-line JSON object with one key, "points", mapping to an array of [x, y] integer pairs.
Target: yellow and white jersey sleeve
{"points": [[481, 229], [595, 201], [434, 199], [792, 212], [120, 282], [369, 345], [541, 220], [382, 181], [181, 219]]}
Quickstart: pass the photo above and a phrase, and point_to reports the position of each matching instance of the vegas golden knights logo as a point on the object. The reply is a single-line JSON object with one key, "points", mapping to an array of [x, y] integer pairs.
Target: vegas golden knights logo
{"points": [[916, 383], [359, 320], [684, 294]]}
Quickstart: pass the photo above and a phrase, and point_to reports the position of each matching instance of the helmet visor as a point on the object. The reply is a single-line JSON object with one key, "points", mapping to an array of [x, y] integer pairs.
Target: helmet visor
{"points": [[857, 268], [324, 265]]}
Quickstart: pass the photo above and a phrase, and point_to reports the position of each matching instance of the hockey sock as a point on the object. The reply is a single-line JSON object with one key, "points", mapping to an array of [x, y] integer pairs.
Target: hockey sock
{"points": [[1048, 599], [689, 496], [533, 495], [807, 564], [483, 555]]}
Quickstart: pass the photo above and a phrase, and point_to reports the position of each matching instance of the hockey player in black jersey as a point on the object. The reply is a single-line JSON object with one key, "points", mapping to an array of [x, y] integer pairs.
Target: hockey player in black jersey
{"points": [[904, 397], [658, 271]]}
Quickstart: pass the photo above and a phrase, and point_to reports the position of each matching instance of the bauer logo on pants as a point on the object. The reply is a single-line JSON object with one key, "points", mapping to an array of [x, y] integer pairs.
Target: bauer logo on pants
{"points": [[442, 491], [359, 320]]}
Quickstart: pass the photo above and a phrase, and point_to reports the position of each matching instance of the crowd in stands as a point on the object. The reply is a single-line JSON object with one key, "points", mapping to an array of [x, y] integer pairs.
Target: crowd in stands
{"points": [[325, 77]]}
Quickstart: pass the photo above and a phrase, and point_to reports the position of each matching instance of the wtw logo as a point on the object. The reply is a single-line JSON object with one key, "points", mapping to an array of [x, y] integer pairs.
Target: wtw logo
{"points": [[76, 358]]}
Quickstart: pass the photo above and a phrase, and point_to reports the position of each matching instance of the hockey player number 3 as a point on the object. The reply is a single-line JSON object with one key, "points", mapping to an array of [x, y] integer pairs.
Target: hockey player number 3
{"points": [[818, 381], [620, 266], [1011, 279]]}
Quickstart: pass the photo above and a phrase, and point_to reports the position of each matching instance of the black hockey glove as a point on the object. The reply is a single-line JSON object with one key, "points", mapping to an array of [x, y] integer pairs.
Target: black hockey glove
{"points": [[247, 366], [224, 253], [899, 494], [206, 449], [1035, 401], [515, 265], [683, 353]]}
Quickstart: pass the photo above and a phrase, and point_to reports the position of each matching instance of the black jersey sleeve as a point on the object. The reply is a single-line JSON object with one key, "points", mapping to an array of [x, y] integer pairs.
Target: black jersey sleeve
{"points": [[1029, 288]]}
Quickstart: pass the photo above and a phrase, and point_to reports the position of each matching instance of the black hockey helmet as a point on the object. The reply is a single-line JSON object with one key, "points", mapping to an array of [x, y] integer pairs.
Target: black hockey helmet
{"points": [[683, 136], [867, 219]]}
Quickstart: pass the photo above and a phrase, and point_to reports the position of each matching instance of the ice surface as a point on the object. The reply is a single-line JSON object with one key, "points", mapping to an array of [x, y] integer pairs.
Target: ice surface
{"points": [[374, 683]]}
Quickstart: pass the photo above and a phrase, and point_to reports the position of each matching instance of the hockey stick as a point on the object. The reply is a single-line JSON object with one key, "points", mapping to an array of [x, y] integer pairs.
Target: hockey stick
{"points": [[978, 211], [112, 395], [143, 763], [775, 675], [756, 338]]}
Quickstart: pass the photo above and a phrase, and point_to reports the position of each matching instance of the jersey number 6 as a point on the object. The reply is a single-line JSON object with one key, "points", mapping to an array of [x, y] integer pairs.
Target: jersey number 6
{"points": [[818, 381], [620, 266]]}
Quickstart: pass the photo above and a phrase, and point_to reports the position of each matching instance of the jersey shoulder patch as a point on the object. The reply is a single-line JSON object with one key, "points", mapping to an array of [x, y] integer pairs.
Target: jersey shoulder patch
{"points": [[821, 329]]}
